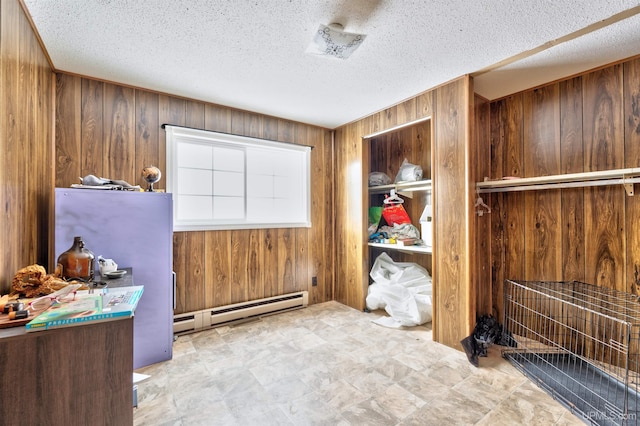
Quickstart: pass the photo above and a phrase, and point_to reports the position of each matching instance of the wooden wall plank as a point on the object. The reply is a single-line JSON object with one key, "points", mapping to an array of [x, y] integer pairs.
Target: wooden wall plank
{"points": [[513, 156], [341, 198], [270, 257], [571, 141], [357, 281], [482, 153], [286, 257], [180, 270], [171, 111], [498, 111], [119, 137], [255, 268], [217, 269], [604, 149], [604, 249], [422, 146], [514, 257], [188, 264], [12, 105], [350, 272], [328, 283], [194, 245], [631, 90], [388, 117], [508, 255], [92, 128], [147, 133], [602, 117], [302, 248], [407, 111], [514, 206], [451, 220], [194, 114], [217, 118], [68, 130], [572, 158], [26, 144], [320, 197], [541, 149], [379, 156], [270, 128], [632, 255], [424, 105]]}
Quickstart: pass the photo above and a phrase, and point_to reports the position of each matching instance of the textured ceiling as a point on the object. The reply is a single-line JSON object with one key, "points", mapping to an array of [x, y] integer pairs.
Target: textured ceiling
{"points": [[252, 54]]}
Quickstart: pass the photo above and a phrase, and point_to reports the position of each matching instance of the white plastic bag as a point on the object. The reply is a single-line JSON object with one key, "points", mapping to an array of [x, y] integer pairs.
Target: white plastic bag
{"points": [[378, 178], [408, 172], [402, 289]]}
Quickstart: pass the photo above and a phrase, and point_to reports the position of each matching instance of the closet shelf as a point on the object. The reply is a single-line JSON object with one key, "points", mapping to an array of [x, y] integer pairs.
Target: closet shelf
{"points": [[625, 177], [414, 249], [419, 185]]}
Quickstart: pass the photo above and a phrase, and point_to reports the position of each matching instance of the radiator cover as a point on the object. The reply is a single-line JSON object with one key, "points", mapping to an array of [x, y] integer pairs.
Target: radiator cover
{"points": [[216, 317]]}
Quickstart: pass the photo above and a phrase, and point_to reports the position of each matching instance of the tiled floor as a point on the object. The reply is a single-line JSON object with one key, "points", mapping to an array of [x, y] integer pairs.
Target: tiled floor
{"points": [[329, 364]]}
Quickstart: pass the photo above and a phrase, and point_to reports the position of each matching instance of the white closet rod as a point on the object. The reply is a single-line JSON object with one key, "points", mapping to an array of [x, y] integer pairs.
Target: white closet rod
{"points": [[626, 177]]}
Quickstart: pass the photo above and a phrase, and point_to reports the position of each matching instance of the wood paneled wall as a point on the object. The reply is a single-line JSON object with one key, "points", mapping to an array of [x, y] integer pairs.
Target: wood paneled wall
{"points": [[453, 217], [481, 275], [114, 131], [451, 109], [26, 145], [586, 123]]}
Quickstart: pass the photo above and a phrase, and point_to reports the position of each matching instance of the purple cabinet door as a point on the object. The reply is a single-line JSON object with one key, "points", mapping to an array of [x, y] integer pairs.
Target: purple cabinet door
{"points": [[136, 230]]}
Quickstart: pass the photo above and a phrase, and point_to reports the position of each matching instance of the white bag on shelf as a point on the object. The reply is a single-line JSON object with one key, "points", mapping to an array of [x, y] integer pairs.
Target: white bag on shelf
{"points": [[408, 172], [403, 290]]}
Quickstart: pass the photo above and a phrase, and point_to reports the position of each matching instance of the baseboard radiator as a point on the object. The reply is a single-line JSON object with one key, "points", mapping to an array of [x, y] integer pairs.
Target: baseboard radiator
{"points": [[229, 314]]}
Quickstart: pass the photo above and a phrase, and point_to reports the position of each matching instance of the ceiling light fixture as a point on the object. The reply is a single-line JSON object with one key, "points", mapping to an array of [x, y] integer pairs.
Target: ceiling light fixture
{"points": [[331, 40]]}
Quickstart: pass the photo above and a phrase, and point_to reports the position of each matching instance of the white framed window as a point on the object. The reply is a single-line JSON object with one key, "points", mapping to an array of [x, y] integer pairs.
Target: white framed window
{"points": [[223, 181]]}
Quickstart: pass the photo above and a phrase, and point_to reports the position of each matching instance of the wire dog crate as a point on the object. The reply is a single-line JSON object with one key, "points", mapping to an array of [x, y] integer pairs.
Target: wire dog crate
{"points": [[580, 343]]}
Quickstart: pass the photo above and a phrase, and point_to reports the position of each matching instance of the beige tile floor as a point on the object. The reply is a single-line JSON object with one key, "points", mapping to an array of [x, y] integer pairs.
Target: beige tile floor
{"points": [[329, 364]]}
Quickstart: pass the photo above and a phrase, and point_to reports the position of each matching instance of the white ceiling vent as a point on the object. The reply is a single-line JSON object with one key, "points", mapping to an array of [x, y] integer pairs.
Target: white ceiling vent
{"points": [[331, 40]]}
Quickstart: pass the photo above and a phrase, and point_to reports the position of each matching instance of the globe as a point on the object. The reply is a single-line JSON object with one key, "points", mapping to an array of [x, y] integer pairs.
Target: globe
{"points": [[151, 175]]}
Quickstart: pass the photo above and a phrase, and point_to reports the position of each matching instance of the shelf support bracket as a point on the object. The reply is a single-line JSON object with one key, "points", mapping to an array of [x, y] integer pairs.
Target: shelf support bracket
{"points": [[628, 186]]}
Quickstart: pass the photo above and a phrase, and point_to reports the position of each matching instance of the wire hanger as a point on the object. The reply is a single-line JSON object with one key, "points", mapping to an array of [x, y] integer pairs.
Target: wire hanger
{"points": [[392, 198], [480, 203]]}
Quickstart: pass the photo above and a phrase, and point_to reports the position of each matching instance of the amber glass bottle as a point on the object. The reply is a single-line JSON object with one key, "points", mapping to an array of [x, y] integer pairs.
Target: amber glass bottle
{"points": [[78, 261]]}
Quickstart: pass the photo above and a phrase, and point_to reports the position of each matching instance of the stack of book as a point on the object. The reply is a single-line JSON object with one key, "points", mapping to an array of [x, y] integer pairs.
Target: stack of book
{"points": [[89, 306]]}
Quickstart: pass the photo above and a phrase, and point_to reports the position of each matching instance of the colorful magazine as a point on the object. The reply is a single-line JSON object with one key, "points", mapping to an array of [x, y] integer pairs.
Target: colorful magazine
{"points": [[100, 305]]}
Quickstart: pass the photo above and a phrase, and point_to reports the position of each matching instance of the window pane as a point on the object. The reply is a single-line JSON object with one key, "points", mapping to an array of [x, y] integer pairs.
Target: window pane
{"points": [[287, 188], [228, 208], [260, 186], [194, 207], [195, 155], [228, 183], [195, 182], [228, 159], [260, 161], [261, 210]]}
